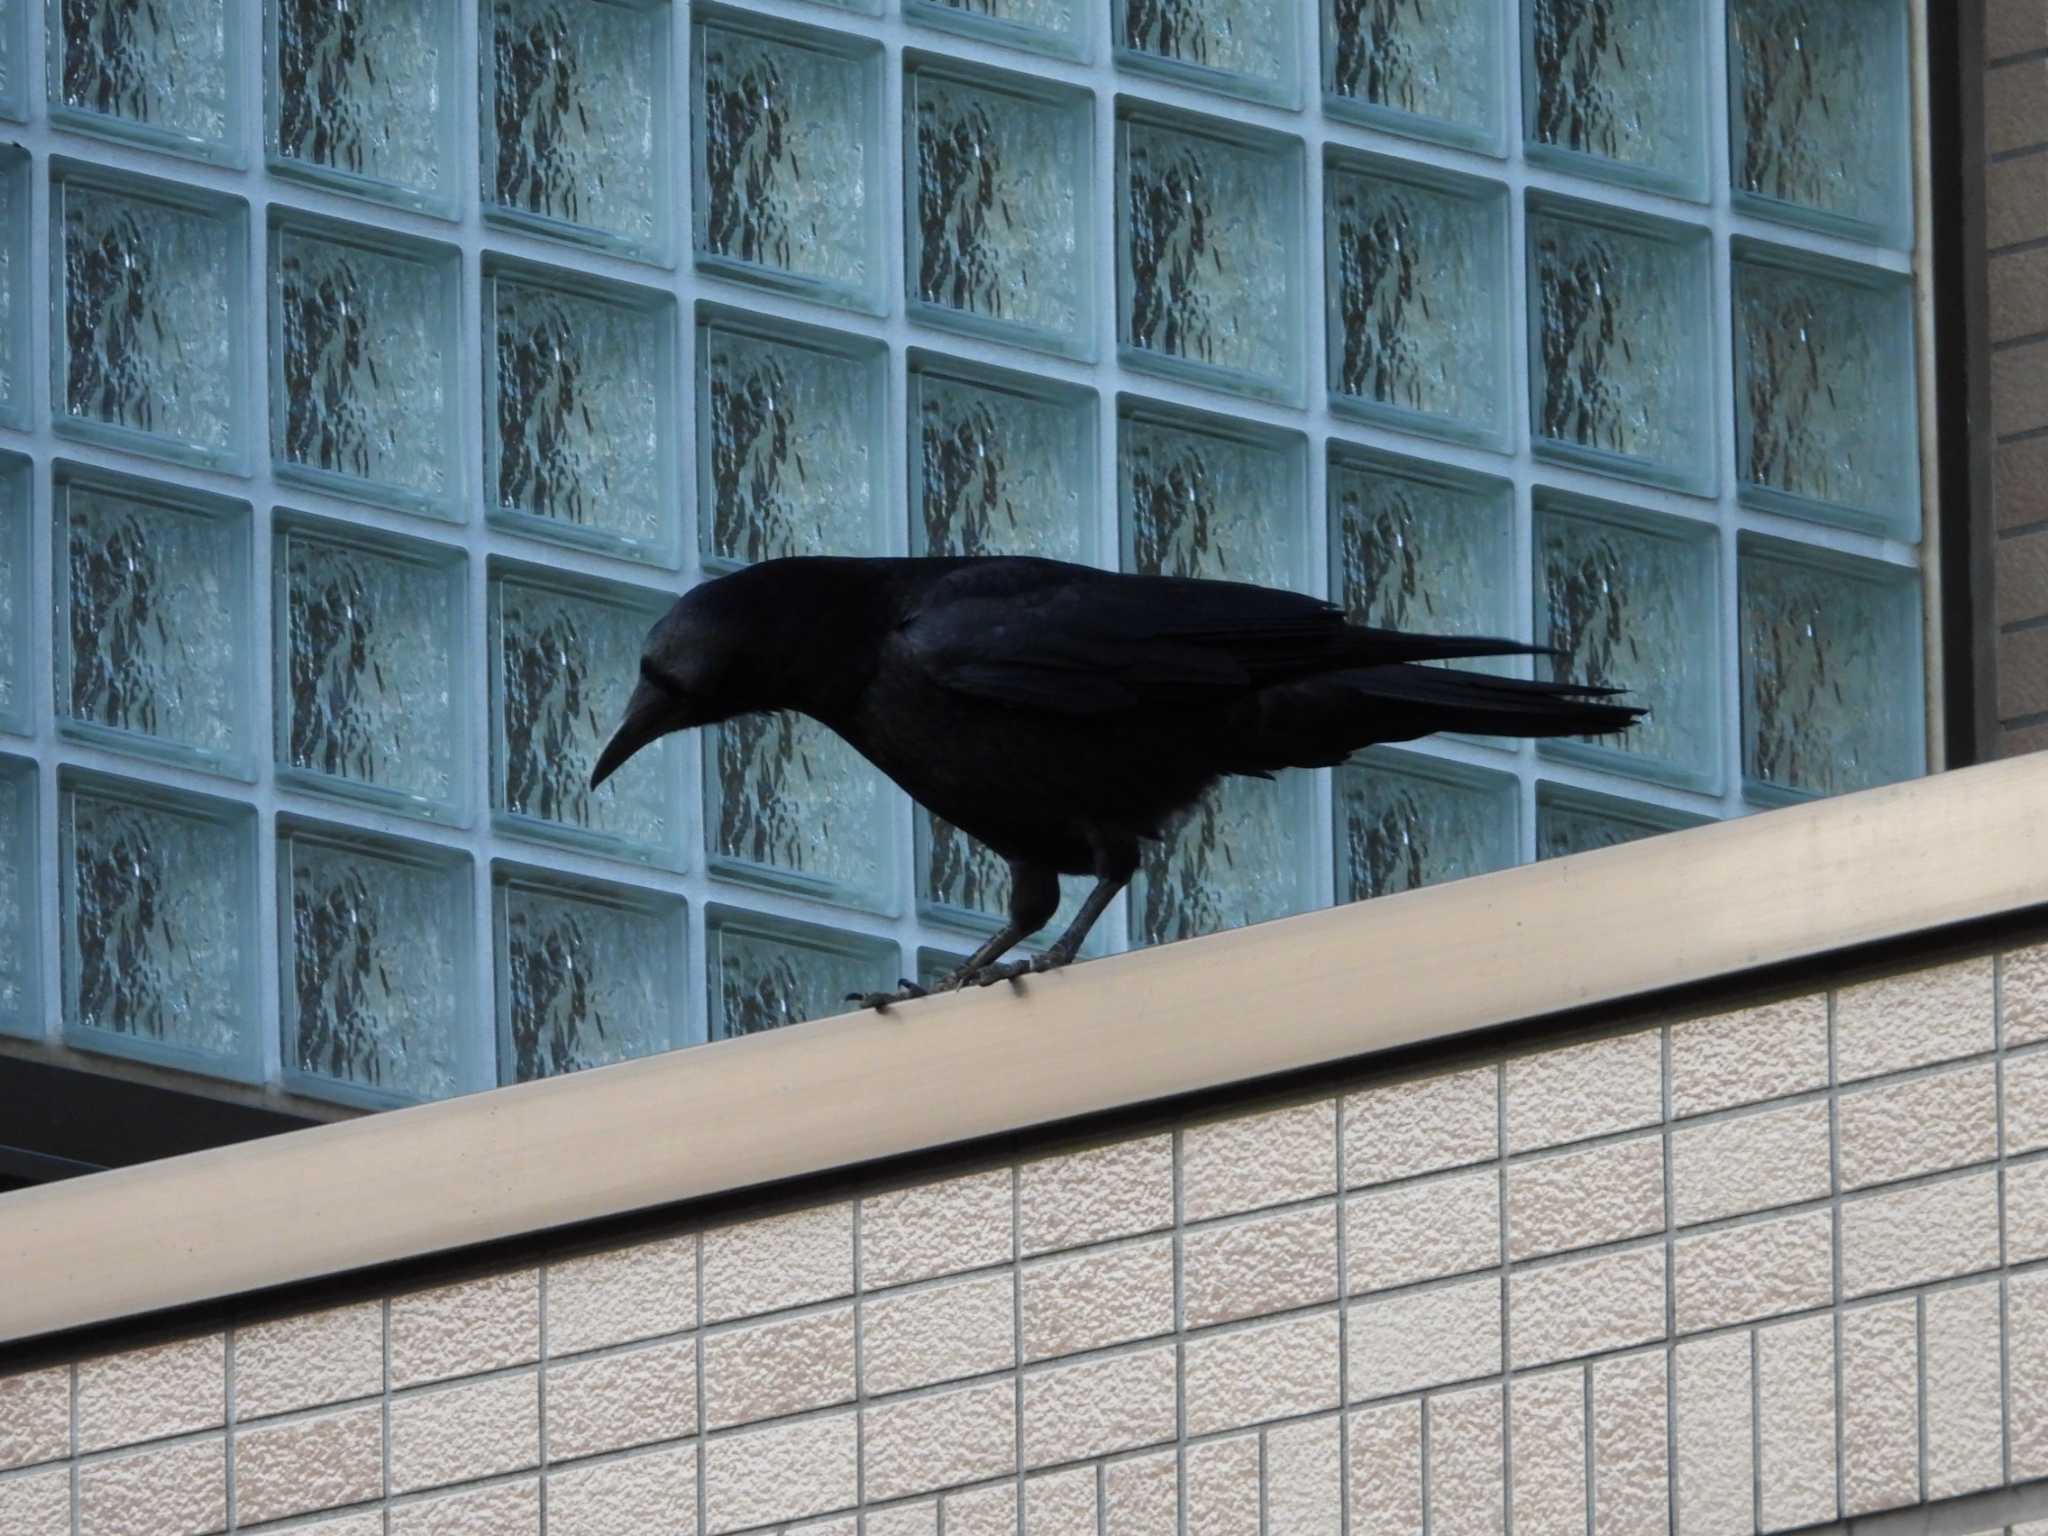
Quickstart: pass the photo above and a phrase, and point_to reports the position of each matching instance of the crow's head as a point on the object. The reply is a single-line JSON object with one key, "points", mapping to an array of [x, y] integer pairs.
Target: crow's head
{"points": [[693, 671]]}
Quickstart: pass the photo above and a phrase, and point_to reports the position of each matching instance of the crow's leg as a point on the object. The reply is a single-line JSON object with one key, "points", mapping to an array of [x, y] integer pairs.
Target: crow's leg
{"points": [[1112, 875], [1034, 897]]}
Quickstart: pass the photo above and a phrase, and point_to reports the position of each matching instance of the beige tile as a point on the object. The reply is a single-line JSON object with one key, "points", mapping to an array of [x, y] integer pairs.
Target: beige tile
{"points": [[2026, 1212], [367, 1522], [1116, 1190], [2027, 1352], [1964, 1413], [145, 1394], [1715, 1462], [1913, 1018], [940, 1439], [1920, 1125], [1750, 1163], [1586, 1306], [1795, 1364], [1091, 1300], [784, 1472], [631, 1496], [1258, 1265], [35, 1416], [939, 1333], [1267, 1371], [1095, 1407], [2026, 1103], [610, 1402], [1631, 1459], [465, 1329], [1424, 1338], [623, 1294], [1465, 1481], [1248, 1161], [1223, 1487], [1406, 1233], [1305, 1478], [1141, 1496], [2014, 26], [309, 1360], [1062, 1503], [1580, 1199], [1750, 1055], [1924, 1232], [1585, 1090], [936, 1229], [1880, 1406], [506, 1509], [302, 1465], [1386, 1470], [1547, 1419], [920, 1519], [2015, 200], [778, 1261], [2015, 105], [784, 1366], [170, 1490], [1418, 1126], [990, 1511], [1759, 1269], [2023, 982], [453, 1434], [39, 1504]]}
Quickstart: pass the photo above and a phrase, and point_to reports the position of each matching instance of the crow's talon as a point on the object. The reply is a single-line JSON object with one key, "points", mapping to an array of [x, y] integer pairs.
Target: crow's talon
{"points": [[1012, 970], [906, 991]]}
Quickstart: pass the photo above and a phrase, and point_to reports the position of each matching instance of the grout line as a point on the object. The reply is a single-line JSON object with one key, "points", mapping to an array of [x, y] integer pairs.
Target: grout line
{"points": [[542, 1372]]}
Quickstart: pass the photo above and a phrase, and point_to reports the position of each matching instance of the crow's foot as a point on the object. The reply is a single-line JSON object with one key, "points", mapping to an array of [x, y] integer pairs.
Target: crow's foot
{"points": [[1011, 970], [906, 991]]}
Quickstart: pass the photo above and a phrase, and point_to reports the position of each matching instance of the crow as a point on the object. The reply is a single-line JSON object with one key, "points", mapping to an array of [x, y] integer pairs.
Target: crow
{"points": [[1061, 714]]}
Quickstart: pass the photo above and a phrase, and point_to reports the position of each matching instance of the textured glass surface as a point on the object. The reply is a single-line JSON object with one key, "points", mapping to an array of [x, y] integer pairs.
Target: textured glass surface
{"points": [[1616, 85], [162, 71], [1057, 27], [363, 339], [376, 968], [767, 972], [789, 441], [13, 47], [789, 803], [1419, 548], [1404, 821], [146, 345], [966, 884], [1243, 47], [564, 660], [1417, 279], [1817, 112], [1578, 821], [1425, 67], [585, 976], [1630, 603], [579, 416], [152, 631], [1830, 652], [1825, 425], [575, 120], [999, 471], [370, 686], [785, 162], [16, 290], [999, 230], [15, 605], [1617, 335], [1208, 257], [21, 954], [360, 94], [159, 942]]}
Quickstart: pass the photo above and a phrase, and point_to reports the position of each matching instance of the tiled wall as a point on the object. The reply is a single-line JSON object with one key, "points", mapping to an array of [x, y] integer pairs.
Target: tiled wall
{"points": [[1749, 1271]]}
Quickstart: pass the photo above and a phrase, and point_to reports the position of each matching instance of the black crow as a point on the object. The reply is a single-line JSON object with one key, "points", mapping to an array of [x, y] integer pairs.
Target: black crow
{"points": [[1063, 714]]}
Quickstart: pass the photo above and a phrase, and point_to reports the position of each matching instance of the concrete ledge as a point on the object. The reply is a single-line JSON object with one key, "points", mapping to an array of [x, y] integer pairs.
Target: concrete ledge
{"points": [[1528, 943]]}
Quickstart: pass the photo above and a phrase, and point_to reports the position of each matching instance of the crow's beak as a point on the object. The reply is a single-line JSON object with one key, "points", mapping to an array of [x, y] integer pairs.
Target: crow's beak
{"points": [[651, 713]]}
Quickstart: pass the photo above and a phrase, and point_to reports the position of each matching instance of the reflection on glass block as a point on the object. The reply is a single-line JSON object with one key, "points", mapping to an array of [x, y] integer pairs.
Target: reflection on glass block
{"points": [[999, 465], [1627, 600], [1817, 114], [767, 972], [965, 884], [153, 600], [166, 73], [789, 427], [1430, 68], [1240, 47], [999, 237], [1614, 88], [574, 123], [377, 974], [1826, 425], [1618, 328], [146, 334], [565, 655], [1421, 547], [364, 337], [787, 147], [370, 675], [362, 97], [1209, 257], [17, 287], [1417, 278], [1831, 696], [579, 408], [1057, 27], [1578, 821], [586, 974], [13, 59], [15, 645], [935, 965], [158, 894], [21, 950], [788, 803], [1239, 857], [1405, 820]]}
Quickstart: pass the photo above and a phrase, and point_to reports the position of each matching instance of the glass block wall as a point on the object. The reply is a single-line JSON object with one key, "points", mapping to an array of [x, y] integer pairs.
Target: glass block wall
{"points": [[372, 375]]}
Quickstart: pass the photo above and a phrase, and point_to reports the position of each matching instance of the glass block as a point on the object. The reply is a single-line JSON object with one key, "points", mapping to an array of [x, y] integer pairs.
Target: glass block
{"points": [[1832, 696], [1245, 48], [1421, 546], [1629, 600], [21, 950], [362, 97], [167, 74], [1416, 270], [1826, 418], [1000, 464], [1618, 329], [934, 965], [1818, 116], [1616, 89], [364, 341], [788, 804], [148, 303], [1209, 255], [371, 672], [14, 60], [152, 644], [17, 286], [574, 123], [1405, 820], [998, 217], [768, 971], [587, 974], [962, 883], [158, 891], [579, 412], [790, 422], [788, 188], [375, 942], [1055, 27], [565, 656], [1572, 820], [1432, 69], [17, 651]]}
